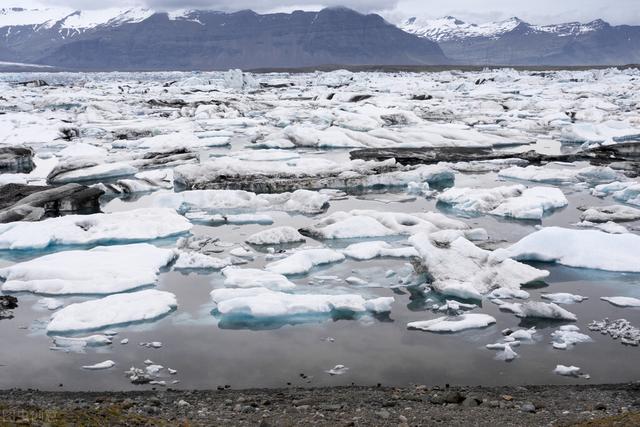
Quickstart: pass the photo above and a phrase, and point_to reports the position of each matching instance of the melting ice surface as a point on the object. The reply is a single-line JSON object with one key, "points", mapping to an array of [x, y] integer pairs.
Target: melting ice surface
{"points": [[241, 244]]}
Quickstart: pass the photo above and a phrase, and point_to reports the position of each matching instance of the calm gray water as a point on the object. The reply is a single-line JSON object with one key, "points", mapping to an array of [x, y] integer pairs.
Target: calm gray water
{"points": [[207, 353]]}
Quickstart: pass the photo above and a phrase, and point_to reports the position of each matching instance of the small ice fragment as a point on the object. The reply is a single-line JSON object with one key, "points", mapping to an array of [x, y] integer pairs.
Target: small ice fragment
{"points": [[337, 370], [102, 365]]}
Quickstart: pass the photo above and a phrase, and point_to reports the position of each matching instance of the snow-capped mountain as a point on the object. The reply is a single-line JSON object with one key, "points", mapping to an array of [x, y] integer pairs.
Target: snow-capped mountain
{"points": [[141, 39], [450, 28], [516, 42]]}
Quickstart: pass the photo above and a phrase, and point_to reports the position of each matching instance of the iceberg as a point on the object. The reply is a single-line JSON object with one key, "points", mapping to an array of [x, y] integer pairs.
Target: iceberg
{"points": [[231, 201], [255, 278], [362, 224], [580, 248], [113, 310], [265, 303], [590, 174], [514, 201], [303, 261], [276, 236], [369, 250], [454, 324], [122, 227], [101, 270], [615, 213], [622, 301], [461, 269]]}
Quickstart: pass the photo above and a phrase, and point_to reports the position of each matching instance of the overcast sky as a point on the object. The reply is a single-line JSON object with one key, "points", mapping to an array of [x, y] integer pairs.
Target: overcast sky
{"points": [[534, 11]]}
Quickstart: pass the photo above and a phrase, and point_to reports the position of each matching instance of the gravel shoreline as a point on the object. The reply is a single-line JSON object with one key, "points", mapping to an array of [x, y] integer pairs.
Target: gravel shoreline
{"points": [[617, 404]]}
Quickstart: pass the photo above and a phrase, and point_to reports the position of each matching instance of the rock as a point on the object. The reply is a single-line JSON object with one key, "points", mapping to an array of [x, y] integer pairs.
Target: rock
{"points": [[19, 202], [437, 399], [453, 397], [16, 160], [528, 407], [183, 403], [471, 402], [33, 83], [600, 407], [7, 304], [384, 414]]}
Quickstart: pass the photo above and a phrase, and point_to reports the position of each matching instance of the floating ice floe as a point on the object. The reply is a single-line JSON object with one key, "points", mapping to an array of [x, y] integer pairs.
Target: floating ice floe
{"points": [[107, 364], [563, 298], [621, 328], [78, 344], [579, 248], [255, 278], [188, 260], [304, 260], [50, 303], [615, 213], [369, 250], [231, 201], [337, 370], [622, 301], [122, 227], [608, 227], [119, 309], [542, 310], [623, 191], [567, 175], [463, 270], [514, 201], [80, 170], [454, 324], [101, 270], [276, 236], [568, 336], [361, 224], [504, 350], [266, 303], [608, 132], [570, 371], [307, 173], [508, 293]]}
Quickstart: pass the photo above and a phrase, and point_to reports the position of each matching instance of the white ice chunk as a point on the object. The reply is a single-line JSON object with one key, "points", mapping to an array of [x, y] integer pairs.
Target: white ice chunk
{"points": [[101, 270], [265, 303], [564, 298], [107, 364], [276, 236], [454, 324], [301, 262], [569, 371], [464, 270], [119, 309], [123, 227], [514, 201], [255, 278], [369, 250], [195, 260], [622, 301], [543, 310], [580, 248]]}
